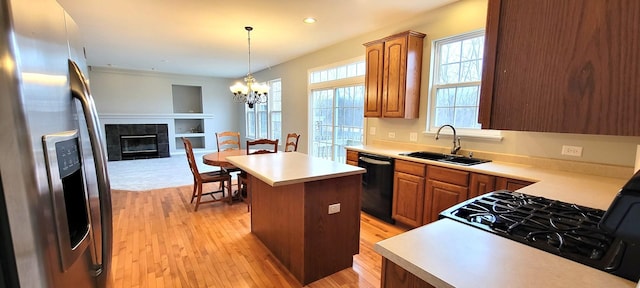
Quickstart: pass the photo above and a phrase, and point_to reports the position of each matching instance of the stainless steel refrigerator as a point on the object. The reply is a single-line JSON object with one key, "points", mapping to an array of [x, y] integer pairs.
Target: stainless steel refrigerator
{"points": [[55, 200]]}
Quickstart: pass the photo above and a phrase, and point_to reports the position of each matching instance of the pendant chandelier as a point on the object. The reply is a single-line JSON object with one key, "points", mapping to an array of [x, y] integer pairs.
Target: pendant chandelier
{"points": [[251, 92]]}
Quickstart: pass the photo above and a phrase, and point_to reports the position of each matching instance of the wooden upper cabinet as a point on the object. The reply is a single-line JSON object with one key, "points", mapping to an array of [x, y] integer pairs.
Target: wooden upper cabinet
{"points": [[373, 80], [392, 79], [562, 66]]}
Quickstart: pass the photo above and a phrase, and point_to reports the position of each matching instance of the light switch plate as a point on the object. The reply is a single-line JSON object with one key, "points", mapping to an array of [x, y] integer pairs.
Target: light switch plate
{"points": [[392, 135], [413, 137], [372, 130]]}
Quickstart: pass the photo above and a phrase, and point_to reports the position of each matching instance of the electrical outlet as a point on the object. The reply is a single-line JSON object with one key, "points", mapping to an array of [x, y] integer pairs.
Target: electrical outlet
{"points": [[334, 208], [372, 130], [392, 135], [413, 137], [572, 150]]}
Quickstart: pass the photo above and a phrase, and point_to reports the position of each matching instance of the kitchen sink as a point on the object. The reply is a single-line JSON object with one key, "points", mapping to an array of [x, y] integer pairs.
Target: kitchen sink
{"points": [[446, 158]]}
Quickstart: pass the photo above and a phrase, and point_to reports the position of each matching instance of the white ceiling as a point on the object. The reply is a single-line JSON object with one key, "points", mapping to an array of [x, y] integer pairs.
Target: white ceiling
{"points": [[207, 37]]}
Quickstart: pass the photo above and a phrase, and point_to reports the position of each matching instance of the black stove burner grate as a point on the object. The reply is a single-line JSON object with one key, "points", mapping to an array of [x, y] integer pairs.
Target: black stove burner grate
{"points": [[564, 229]]}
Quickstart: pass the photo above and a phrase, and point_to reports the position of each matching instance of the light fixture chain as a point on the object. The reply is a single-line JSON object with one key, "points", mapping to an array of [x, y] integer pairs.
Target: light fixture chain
{"points": [[249, 28]]}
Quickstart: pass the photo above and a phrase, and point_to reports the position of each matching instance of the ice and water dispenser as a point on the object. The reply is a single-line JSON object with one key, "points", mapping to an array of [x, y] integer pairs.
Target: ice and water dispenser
{"points": [[68, 194]]}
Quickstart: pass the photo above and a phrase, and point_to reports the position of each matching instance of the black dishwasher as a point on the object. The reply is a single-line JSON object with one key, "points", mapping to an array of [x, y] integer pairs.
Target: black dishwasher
{"points": [[377, 186]]}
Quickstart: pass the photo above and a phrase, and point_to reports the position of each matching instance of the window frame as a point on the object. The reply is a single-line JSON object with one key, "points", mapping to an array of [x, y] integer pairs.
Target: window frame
{"points": [[433, 89], [333, 84], [271, 110]]}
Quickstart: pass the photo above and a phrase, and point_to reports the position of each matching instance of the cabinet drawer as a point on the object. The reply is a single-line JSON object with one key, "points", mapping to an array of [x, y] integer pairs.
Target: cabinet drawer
{"points": [[352, 155], [409, 167], [510, 184], [447, 175]]}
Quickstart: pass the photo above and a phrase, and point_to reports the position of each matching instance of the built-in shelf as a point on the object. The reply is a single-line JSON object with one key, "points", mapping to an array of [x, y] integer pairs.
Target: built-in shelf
{"points": [[183, 126], [188, 118], [186, 99], [196, 142]]}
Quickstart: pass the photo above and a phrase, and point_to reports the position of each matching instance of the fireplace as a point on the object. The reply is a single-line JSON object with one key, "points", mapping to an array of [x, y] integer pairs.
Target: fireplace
{"points": [[136, 146], [136, 141]]}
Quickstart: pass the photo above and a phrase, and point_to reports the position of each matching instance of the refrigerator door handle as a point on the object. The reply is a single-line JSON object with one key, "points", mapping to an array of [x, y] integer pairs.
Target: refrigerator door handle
{"points": [[80, 91]]}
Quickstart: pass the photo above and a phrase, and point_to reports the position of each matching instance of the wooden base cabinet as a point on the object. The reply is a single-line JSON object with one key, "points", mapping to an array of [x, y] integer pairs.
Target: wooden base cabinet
{"points": [[445, 188], [510, 184], [394, 276], [352, 157], [408, 192], [480, 184]]}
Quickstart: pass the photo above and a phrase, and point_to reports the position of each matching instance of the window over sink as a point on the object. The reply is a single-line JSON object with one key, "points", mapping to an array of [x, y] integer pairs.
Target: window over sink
{"points": [[455, 85]]}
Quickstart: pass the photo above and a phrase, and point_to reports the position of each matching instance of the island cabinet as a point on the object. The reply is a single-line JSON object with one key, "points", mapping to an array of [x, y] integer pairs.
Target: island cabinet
{"points": [[408, 192], [445, 187], [352, 157], [392, 78], [305, 210], [562, 66], [394, 276]]}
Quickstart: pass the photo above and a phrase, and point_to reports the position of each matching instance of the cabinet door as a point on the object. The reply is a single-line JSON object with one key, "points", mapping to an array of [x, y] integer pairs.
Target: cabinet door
{"points": [[373, 79], [394, 80], [580, 71], [408, 197], [510, 184], [481, 184], [440, 196]]}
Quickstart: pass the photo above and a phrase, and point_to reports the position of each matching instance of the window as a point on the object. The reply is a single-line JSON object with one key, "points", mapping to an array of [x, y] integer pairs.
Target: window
{"points": [[337, 109], [457, 72], [264, 120]]}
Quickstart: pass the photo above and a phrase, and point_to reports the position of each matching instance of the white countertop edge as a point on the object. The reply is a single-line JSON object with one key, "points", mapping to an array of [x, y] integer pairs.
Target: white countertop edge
{"points": [[291, 168], [410, 267]]}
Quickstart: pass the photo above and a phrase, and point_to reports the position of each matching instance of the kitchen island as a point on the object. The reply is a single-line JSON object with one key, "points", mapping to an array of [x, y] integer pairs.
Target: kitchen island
{"points": [[447, 253], [305, 210]]}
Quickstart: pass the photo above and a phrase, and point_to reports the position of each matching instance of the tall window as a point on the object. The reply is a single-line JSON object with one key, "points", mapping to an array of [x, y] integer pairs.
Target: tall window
{"points": [[337, 109], [457, 72], [265, 120]]}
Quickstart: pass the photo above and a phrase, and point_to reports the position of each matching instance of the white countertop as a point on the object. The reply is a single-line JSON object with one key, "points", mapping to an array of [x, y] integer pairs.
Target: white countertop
{"points": [[586, 190], [447, 253], [278, 169]]}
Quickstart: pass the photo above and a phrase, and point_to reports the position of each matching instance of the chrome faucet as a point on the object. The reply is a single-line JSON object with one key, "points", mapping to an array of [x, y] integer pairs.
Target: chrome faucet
{"points": [[456, 145]]}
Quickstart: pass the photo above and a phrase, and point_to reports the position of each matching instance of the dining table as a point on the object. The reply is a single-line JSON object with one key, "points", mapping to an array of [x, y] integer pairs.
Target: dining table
{"points": [[220, 158]]}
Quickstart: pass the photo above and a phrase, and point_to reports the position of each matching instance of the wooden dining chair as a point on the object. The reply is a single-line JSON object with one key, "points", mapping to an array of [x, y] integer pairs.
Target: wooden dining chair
{"points": [[228, 140], [199, 179], [260, 146], [291, 143]]}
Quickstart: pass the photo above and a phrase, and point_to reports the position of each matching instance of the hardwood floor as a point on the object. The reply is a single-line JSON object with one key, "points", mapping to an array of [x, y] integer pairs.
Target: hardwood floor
{"points": [[159, 241]]}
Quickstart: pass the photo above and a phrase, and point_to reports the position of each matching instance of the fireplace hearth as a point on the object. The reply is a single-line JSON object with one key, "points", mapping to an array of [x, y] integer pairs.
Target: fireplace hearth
{"points": [[136, 141]]}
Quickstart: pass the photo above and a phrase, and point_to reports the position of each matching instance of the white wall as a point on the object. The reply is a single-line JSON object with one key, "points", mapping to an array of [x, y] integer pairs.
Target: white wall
{"points": [[459, 17], [135, 97], [151, 93]]}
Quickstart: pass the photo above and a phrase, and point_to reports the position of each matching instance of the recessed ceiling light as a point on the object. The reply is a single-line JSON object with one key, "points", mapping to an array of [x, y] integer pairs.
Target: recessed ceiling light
{"points": [[309, 20]]}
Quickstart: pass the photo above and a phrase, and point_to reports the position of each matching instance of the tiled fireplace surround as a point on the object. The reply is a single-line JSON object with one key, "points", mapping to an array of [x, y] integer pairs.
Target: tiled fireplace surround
{"points": [[114, 131]]}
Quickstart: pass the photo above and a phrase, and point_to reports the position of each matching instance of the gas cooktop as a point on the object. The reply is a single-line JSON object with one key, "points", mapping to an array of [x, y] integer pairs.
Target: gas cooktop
{"points": [[564, 229]]}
